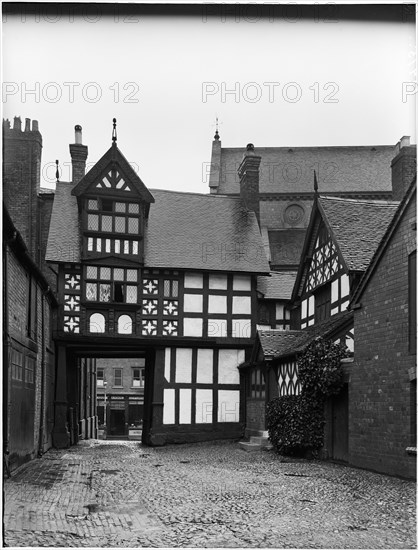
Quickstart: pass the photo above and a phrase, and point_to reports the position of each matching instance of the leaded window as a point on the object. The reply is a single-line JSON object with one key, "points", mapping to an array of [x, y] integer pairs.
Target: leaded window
{"points": [[111, 284]]}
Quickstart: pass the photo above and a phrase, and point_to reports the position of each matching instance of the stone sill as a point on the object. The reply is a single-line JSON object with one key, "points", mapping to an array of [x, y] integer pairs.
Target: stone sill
{"points": [[411, 450]]}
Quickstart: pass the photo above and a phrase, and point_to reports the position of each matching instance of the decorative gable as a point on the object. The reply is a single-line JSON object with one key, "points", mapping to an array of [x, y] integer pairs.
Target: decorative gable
{"points": [[325, 261], [322, 285], [113, 179], [113, 173]]}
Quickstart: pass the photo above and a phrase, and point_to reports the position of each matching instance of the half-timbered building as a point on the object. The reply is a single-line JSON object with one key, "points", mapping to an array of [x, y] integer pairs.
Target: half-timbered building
{"points": [[168, 277], [341, 238]]}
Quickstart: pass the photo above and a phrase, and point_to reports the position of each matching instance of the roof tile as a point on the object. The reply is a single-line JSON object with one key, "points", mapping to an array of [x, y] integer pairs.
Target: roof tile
{"points": [[358, 226]]}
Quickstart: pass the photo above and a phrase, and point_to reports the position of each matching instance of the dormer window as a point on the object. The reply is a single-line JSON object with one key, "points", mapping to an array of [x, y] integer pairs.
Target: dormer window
{"points": [[113, 226], [110, 216]]}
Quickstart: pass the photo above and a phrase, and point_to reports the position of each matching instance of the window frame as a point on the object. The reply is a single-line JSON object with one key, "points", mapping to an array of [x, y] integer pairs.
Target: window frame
{"points": [[114, 377], [114, 283]]}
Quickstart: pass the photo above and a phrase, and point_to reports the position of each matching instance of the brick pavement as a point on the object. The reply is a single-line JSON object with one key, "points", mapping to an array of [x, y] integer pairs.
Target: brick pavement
{"points": [[214, 494]]}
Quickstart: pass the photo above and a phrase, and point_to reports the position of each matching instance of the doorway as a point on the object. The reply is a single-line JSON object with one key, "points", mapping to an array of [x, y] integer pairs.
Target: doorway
{"points": [[339, 411], [117, 422]]}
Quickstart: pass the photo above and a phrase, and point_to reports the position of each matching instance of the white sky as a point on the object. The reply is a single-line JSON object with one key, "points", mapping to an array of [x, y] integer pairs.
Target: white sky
{"points": [[167, 130]]}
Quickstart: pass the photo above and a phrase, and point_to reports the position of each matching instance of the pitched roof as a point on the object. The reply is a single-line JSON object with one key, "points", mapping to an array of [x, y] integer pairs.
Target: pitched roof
{"points": [[390, 230], [113, 158], [290, 169], [358, 226], [205, 232], [278, 286], [277, 343], [184, 231], [64, 230]]}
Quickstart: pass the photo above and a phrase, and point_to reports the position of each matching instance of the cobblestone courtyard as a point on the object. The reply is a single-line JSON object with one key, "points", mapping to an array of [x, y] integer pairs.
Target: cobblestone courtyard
{"points": [[118, 493]]}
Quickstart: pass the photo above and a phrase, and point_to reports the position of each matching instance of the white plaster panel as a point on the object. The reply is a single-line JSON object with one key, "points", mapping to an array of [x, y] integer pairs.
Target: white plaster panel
{"points": [[217, 304], [345, 285], [192, 327], [241, 305], [169, 408], [204, 406], [193, 280], [279, 311], [304, 308], [334, 291], [241, 282], [241, 328], [218, 282], [217, 328], [167, 364], [229, 359], [185, 406], [228, 406], [204, 374], [184, 365], [311, 305], [193, 303]]}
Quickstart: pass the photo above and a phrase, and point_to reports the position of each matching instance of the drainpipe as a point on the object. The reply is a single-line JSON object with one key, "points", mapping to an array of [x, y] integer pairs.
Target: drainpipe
{"points": [[43, 366]]}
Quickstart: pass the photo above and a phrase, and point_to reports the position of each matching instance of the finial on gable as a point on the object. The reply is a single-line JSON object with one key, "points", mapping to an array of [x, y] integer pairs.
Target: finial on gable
{"points": [[315, 185], [217, 136], [114, 135], [57, 172]]}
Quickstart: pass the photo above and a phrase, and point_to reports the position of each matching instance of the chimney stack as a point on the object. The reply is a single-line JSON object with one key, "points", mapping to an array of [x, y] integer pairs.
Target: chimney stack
{"points": [[78, 153], [404, 167], [249, 176], [215, 164]]}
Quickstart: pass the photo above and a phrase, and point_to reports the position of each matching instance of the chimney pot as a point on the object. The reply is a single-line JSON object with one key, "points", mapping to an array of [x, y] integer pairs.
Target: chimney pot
{"points": [[78, 134], [35, 126], [17, 123], [27, 124]]}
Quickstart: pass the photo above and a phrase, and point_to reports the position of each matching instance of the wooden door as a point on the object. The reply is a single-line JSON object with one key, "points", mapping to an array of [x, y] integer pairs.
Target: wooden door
{"points": [[340, 425]]}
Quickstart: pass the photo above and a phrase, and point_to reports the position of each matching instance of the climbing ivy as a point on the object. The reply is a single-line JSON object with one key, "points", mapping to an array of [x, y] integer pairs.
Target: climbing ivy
{"points": [[296, 422]]}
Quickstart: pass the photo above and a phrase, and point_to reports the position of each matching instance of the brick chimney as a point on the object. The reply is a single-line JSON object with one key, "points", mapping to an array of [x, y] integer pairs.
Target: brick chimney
{"points": [[22, 153], [249, 176], [404, 167], [78, 153]]}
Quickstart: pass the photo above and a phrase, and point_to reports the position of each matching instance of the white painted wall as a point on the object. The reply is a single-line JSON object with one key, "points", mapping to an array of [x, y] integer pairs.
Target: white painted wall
{"points": [[167, 364], [217, 328], [193, 280], [241, 328], [241, 305], [184, 365], [217, 304], [229, 359], [185, 406], [241, 282], [228, 406], [192, 327], [168, 409], [204, 373], [204, 406], [193, 303], [218, 282]]}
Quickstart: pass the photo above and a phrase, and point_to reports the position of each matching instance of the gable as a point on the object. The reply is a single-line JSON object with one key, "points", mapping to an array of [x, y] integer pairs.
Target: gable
{"points": [[321, 257], [113, 173]]}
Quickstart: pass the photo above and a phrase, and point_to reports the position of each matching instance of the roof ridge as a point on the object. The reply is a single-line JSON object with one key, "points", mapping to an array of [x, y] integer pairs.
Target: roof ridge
{"points": [[208, 195], [376, 202]]}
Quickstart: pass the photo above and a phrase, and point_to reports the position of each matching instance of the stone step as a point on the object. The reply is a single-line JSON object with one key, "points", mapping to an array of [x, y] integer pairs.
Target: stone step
{"points": [[248, 446]]}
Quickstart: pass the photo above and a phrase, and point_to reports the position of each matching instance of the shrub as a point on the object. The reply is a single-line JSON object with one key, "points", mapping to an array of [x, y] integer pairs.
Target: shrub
{"points": [[296, 422], [294, 426]]}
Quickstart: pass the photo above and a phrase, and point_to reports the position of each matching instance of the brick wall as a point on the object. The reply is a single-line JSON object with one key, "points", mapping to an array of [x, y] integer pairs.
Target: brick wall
{"points": [[379, 395], [29, 404]]}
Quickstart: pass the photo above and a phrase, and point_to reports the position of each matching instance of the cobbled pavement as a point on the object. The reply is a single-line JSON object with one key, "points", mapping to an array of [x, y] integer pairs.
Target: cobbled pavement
{"points": [[213, 495]]}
